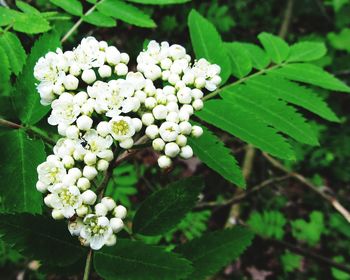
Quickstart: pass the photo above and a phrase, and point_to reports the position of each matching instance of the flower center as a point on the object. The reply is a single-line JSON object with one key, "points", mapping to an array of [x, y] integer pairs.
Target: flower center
{"points": [[67, 198], [95, 229], [120, 127]]}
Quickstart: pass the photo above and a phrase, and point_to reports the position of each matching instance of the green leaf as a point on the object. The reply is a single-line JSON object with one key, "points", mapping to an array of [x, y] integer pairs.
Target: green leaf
{"points": [[14, 51], [134, 260], [164, 209], [293, 93], [18, 175], [4, 73], [258, 56], [6, 16], [26, 8], [159, 2], [214, 250], [209, 149], [41, 238], [311, 74], [276, 48], [27, 98], [274, 112], [246, 126], [290, 261], [125, 12], [340, 41], [207, 43], [99, 19], [306, 51], [268, 224], [241, 65], [73, 7]]}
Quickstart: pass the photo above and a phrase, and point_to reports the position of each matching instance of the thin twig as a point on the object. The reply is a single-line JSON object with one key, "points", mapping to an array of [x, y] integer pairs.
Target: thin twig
{"points": [[78, 23], [244, 195], [87, 265], [128, 154], [286, 19], [312, 255], [34, 130], [332, 200]]}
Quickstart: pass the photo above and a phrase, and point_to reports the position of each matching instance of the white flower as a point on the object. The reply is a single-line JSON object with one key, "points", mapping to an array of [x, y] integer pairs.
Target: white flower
{"points": [[70, 82], [96, 231], [75, 226], [158, 144], [169, 131], [164, 161], [136, 79], [126, 143], [102, 165], [116, 224], [171, 149], [160, 112], [121, 128], [186, 152], [66, 200], [84, 122], [94, 143], [112, 55], [88, 76], [89, 197], [64, 147], [64, 110], [90, 172], [121, 69], [197, 131], [51, 172], [105, 71], [120, 212], [109, 203], [83, 183]]}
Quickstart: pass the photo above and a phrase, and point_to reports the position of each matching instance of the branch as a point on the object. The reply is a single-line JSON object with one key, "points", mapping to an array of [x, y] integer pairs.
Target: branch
{"points": [[286, 19], [332, 200], [244, 195], [87, 265], [128, 153], [312, 255]]}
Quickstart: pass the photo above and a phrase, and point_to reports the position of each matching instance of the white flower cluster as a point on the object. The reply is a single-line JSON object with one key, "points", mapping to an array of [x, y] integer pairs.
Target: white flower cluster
{"points": [[96, 101]]}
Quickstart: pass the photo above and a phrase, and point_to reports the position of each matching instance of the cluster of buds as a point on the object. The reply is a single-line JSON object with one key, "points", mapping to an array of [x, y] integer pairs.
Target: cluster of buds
{"points": [[98, 103]]}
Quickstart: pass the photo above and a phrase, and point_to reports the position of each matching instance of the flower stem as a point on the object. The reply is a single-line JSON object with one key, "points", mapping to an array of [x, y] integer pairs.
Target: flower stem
{"points": [[78, 23], [88, 265]]}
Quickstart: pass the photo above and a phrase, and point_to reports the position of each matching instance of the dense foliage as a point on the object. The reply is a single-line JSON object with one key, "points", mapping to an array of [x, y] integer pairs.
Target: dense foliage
{"points": [[265, 195]]}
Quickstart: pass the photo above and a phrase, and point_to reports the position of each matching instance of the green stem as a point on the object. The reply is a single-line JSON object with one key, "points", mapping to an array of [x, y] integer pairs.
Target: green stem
{"points": [[78, 23], [87, 265], [214, 93]]}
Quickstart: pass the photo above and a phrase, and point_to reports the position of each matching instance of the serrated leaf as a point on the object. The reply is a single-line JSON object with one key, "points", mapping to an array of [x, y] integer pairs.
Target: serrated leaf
{"points": [[164, 209], [311, 74], [258, 56], [293, 93], [18, 175], [41, 238], [4, 73], [341, 40], [274, 112], [12, 46], [276, 48], [246, 126], [26, 8], [209, 149], [159, 2], [125, 12], [6, 16], [214, 250], [306, 51], [134, 260], [27, 98], [73, 7], [99, 19], [207, 43], [241, 64]]}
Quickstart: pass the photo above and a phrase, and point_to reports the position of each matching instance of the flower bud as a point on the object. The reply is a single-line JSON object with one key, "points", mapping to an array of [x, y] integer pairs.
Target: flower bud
{"points": [[152, 131], [199, 82], [89, 172], [41, 187], [75, 227], [83, 183], [120, 212], [105, 71], [160, 112], [124, 58], [102, 165], [183, 116], [88, 76], [61, 128], [186, 152], [107, 155], [165, 63], [101, 209], [68, 180], [197, 104], [185, 128], [48, 200], [121, 69], [197, 93], [126, 143], [181, 140], [82, 211], [147, 119], [188, 78], [150, 102], [109, 203], [89, 197], [84, 122], [137, 123], [72, 132], [116, 224], [75, 173], [70, 82], [74, 69], [90, 158], [57, 214], [171, 149], [103, 128], [197, 131], [112, 55], [68, 162], [158, 144], [164, 162], [111, 241]]}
